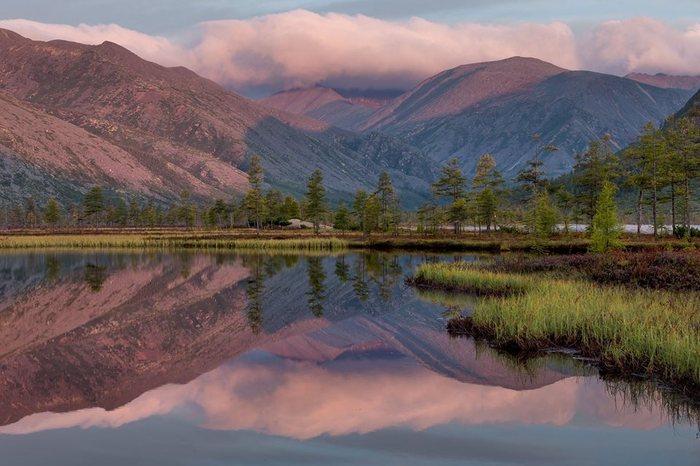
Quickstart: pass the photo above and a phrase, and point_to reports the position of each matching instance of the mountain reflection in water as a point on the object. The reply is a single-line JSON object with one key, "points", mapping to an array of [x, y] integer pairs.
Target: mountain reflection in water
{"points": [[300, 347]]}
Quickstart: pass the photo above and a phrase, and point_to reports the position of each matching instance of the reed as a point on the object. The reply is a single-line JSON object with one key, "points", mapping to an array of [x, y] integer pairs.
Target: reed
{"points": [[101, 241], [630, 331]]}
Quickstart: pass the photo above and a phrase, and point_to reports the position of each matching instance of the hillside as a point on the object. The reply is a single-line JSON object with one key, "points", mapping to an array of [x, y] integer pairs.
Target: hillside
{"points": [[496, 108], [185, 130]]}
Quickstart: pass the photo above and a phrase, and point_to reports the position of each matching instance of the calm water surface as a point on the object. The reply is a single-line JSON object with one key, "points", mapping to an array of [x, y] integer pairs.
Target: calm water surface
{"points": [[195, 359]]}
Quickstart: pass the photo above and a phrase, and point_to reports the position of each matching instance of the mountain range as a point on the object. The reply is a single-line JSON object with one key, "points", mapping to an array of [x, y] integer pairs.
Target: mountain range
{"points": [[133, 125], [496, 107], [74, 115]]}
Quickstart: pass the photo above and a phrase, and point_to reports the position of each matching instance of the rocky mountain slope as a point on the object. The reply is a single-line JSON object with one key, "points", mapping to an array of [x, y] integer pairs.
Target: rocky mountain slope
{"points": [[496, 107], [185, 131]]}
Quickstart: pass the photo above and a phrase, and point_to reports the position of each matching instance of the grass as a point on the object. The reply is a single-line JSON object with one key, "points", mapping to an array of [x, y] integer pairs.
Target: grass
{"points": [[133, 241], [234, 238], [650, 332], [466, 278]]}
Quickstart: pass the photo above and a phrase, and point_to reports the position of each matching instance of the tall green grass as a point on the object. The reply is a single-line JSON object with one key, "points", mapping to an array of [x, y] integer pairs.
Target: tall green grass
{"points": [[466, 278], [630, 331]]}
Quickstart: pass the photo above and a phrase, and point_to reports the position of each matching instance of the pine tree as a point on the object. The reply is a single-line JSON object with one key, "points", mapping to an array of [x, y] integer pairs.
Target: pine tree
{"points": [[451, 185], [254, 200], [593, 168], [290, 208], [52, 213], [388, 201], [358, 209], [486, 187], [94, 203], [342, 218], [316, 199], [605, 229]]}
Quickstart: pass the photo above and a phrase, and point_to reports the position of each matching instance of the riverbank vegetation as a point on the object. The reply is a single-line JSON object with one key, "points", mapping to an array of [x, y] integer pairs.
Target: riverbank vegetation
{"points": [[628, 331], [654, 182]]}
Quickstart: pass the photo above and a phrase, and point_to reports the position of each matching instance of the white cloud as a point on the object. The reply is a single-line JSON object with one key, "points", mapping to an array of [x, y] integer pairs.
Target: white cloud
{"points": [[301, 48]]}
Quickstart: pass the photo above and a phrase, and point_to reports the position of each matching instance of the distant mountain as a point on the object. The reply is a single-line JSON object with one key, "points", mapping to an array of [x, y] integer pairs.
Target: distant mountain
{"points": [[666, 81], [180, 131], [496, 108], [326, 105]]}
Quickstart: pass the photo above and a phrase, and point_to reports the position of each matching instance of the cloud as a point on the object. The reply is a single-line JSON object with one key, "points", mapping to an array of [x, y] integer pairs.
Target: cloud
{"points": [[351, 396], [300, 48], [643, 45]]}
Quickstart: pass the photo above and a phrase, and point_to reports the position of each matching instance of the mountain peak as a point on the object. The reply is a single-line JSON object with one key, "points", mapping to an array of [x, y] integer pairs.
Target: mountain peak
{"points": [[8, 37], [304, 100], [453, 91]]}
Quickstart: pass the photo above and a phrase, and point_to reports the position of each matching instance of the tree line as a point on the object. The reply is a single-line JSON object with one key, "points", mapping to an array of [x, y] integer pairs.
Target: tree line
{"points": [[656, 177]]}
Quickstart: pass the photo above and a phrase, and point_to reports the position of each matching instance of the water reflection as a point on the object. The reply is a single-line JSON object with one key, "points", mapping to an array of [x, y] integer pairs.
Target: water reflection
{"points": [[259, 342]]}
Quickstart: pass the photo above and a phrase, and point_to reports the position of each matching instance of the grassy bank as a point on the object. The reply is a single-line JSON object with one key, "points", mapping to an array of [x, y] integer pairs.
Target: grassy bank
{"points": [[141, 241], [677, 270], [305, 239], [650, 332]]}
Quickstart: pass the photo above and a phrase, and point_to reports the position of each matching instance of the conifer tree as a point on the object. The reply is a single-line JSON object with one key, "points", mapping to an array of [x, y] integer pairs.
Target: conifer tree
{"points": [[316, 199], [605, 229], [52, 213]]}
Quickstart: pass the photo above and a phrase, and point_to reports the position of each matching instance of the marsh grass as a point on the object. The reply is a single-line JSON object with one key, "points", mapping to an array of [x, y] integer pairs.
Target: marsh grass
{"points": [[464, 277], [649, 332], [139, 241]]}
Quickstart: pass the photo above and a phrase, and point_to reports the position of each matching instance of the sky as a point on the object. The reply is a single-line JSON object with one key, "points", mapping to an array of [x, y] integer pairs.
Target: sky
{"points": [[257, 47]]}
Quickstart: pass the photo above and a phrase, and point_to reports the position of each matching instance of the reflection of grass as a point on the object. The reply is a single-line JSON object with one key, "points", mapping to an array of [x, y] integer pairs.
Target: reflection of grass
{"points": [[447, 299], [630, 331]]}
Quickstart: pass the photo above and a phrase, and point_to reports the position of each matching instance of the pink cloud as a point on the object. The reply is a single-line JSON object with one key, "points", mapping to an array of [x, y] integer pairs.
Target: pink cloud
{"points": [[300, 48], [371, 396]]}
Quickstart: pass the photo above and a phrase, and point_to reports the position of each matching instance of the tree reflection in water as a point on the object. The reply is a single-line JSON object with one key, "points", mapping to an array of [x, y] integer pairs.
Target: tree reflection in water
{"points": [[317, 287]]}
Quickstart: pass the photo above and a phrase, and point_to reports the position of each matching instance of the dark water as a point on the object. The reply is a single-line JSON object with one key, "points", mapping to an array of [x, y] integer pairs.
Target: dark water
{"points": [[167, 359]]}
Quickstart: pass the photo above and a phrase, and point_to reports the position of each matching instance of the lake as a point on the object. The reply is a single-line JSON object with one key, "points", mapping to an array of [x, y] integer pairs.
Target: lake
{"points": [[201, 359]]}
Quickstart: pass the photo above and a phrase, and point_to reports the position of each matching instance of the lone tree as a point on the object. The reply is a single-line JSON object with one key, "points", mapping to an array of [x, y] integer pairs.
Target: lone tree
{"points": [[316, 199], [605, 229], [451, 185], [52, 213], [255, 198]]}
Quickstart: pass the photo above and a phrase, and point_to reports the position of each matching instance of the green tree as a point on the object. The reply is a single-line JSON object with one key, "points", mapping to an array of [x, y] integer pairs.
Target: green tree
{"points": [[358, 209], [487, 189], [543, 216], [389, 203], [187, 213], [290, 208], [94, 203], [121, 213], [372, 215], [532, 177], [316, 199], [342, 218], [605, 229], [683, 142], [52, 213], [451, 185], [254, 199], [592, 169]]}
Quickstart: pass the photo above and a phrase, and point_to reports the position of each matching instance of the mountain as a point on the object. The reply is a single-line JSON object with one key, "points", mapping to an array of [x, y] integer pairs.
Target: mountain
{"points": [[691, 108], [666, 81], [325, 104], [185, 132], [496, 107]]}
